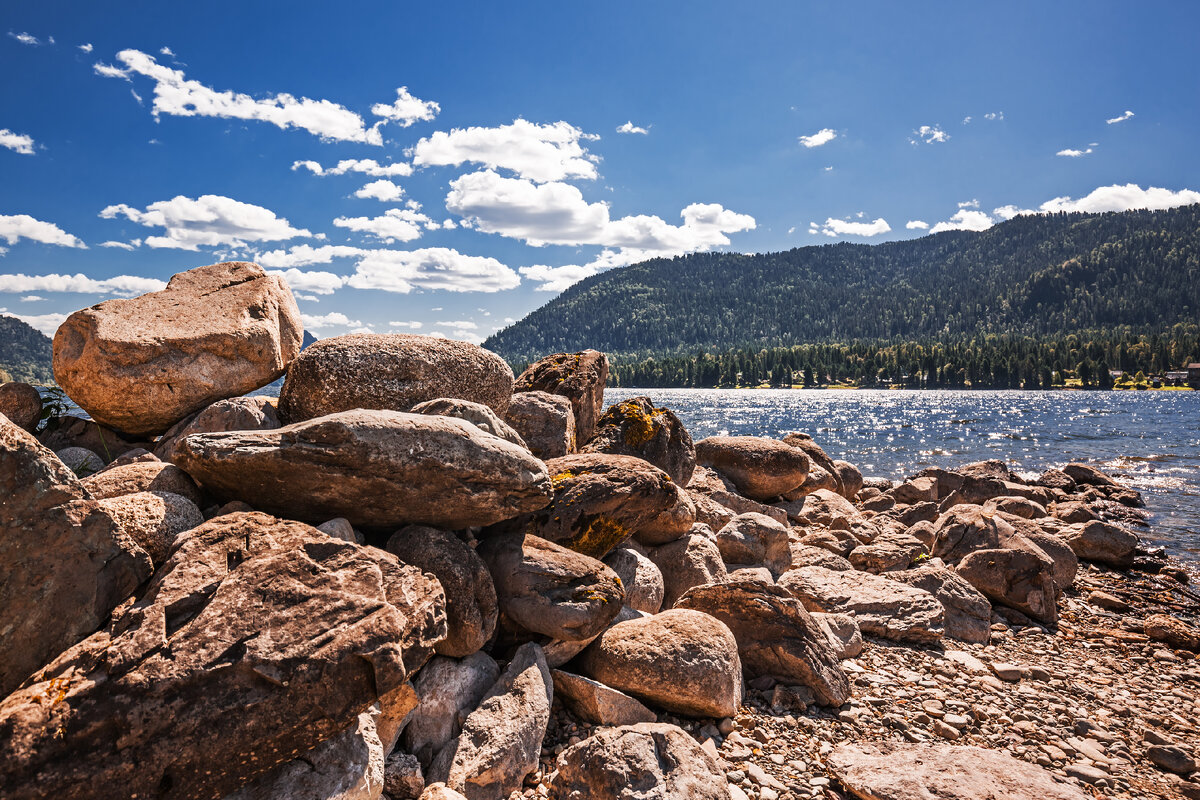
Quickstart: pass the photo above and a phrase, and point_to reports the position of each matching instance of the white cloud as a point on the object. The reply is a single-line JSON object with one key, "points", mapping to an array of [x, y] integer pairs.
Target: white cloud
{"points": [[411, 325], [557, 279], [86, 47], [311, 298], [23, 226], [25, 38], [840, 227], [462, 323], [541, 153], [995, 116], [367, 166], [431, 268], [46, 323], [930, 134], [969, 204], [175, 95], [629, 127], [305, 254], [967, 120], [166, 51], [16, 141], [1122, 118], [207, 221], [917, 225], [829, 169], [31, 298], [1073, 153], [1123, 198], [396, 224], [123, 245], [823, 136], [334, 319], [1008, 212], [305, 281], [382, 190], [122, 285], [407, 109], [964, 220]]}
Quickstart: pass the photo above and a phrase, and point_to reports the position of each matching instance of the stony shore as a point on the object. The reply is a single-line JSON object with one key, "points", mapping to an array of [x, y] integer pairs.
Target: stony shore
{"points": [[417, 575]]}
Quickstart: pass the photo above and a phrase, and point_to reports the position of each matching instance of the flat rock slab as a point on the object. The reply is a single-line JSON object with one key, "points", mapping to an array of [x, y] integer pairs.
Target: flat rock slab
{"points": [[374, 468], [598, 703], [883, 607], [896, 771]]}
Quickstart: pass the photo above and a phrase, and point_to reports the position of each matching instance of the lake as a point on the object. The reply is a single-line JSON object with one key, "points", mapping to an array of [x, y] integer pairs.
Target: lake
{"points": [[1148, 440]]}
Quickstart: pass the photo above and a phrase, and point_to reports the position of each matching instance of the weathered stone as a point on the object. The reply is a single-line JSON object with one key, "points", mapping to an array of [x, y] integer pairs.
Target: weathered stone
{"points": [[560, 652], [579, 377], [22, 404], [153, 519], [338, 528], [1089, 476], [818, 478], [818, 459], [690, 561], [1018, 507], [547, 589], [1066, 563], [447, 691], [382, 468], [709, 512], [891, 550], [439, 791], [850, 478], [903, 771], [80, 460], [807, 555], [471, 607], [233, 414], [968, 613], [916, 490], [1174, 632], [391, 372], [827, 509], [844, 634], [1102, 542], [760, 468], [755, 539], [882, 607], [1171, 758], [106, 443], [501, 739], [595, 702], [545, 421], [670, 524], [1074, 511], [680, 660], [775, 635], [144, 363], [640, 577], [838, 542], [402, 777], [1056, 479], [477, 414], [142, 476], [638, 762], [636, 428], [67, 562], [257, 640]]}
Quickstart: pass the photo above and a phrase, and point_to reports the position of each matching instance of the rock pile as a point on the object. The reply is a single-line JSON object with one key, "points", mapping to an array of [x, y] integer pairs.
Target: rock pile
{"points": [[406, 580]]}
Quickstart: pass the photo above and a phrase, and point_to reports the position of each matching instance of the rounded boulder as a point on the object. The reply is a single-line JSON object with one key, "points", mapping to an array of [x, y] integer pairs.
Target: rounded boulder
{"points": [[760, 468]]}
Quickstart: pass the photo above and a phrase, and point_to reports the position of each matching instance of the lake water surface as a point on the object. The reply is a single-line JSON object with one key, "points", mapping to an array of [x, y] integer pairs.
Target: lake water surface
{"points": [[1149, 440]]}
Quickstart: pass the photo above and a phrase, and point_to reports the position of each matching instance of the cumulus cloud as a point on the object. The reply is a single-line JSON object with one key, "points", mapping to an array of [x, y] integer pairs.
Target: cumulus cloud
{"points": [[1007, 212], [305, 254], [557, 279], [967, 120], [334, 319], [316, 282], [541, 153], [23, 226], [16, 141], [411, 325], [406, 109], [27, 38], [46, 323], [396, 224], [430, 268], [366, 166], [995, 116], [840, 227], [823, 136], [178, 96], [382, 190], [969, 204], [133, 245], [1073, 153], [917, 225], [965, 220], [1123, 198], [31, 298], [1127, 115], [86, 47], [121, 285], [629, 127], [462, 323], [930, 134], [207, 221]]}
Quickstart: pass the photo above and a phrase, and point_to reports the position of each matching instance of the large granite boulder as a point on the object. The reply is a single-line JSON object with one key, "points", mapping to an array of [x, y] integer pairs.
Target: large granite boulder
{"points": [[22, 404], [257, 640], [640, 577], [146, 474], [760, 468], [546, 589], [232, 414], [636, 428], [693, 560], [670, 524], [639, 762], [680, 660], [775, 635], [755, 539], [501, 739], [968, 612], [822, 472], [471, 607], [823, 508], [67, 561], [579, 377], [545, 421], [375, 468], [890, 550], [477, 414], [391, 372], [153, 519], [885, 608], [141, 364], [447, 690], [1102, 542]]}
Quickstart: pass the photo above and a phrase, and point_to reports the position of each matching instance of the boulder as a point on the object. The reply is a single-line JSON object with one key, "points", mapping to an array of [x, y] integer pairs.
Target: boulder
{"points": [[1047, 539], [22, 404], [477, 414], [402, 777], [1056, 479], [818, 478], [760, 468], [680, 660], [599, 501], [375, 468], [850, 478], [501, 739], [755, 539], [1089, 476], [579, 377], [823, 508], [338, 528], [916, 490], [638, 762], [391, 372], [153, 519], [471, 606], [1074, 511], [142, 476], [447, 691], [671, 524], [838, 542], [968, 613], [903, 771], [80, 460], [775, 635], [690, 561], [885, 608], [818, 458], [641, 578], [1173, 632], [597, 703], [439, 791], [142, 364], [1018, 507], [545, 421], [843, 632], [636, 428], [807, 555], [1102, 542], [67, 561], [232, 414], [257, 640], [709, 512], [546, 589], [891, 550], [108, 444]]}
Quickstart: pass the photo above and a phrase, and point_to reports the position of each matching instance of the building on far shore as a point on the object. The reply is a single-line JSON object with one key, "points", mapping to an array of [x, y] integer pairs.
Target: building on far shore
{"points": [[1176, 377], [1193, 374]]}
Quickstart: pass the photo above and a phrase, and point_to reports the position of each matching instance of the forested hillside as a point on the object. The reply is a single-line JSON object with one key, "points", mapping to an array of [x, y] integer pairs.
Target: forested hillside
{"points": [[24, 352]]}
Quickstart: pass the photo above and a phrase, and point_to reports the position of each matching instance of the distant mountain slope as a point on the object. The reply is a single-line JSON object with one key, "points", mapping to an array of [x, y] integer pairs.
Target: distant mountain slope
{"points": [[24, 352], [1031, 275]]}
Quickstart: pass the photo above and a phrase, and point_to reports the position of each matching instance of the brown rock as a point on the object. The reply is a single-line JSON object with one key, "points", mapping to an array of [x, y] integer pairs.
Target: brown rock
{"points": [[636, 428], [844, 634], [1018, 507], [447, 691], [823, 508], [391, 372], [882, 607], [760, 468], [233, 414], [690, 561], [153, 519], [597, 703], [22, 404], [1089, 476], [545, 421], [968, 613], [402, 778], [806, 555], [709, 512], [641, 579], [916, 490], [851, 479], [144, 363], [818, 458], [1056, 479], [257, 640], [671, 524], [105, 442], [891, 550], [1066, 563], [755, 539], [1174, 632], [1102, 542], [477, 414], [142, 476], [579, 377], [380, 468]]}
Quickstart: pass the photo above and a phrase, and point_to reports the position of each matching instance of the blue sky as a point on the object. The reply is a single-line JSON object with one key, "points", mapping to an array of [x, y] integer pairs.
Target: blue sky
{"points": [[446, 171]]}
